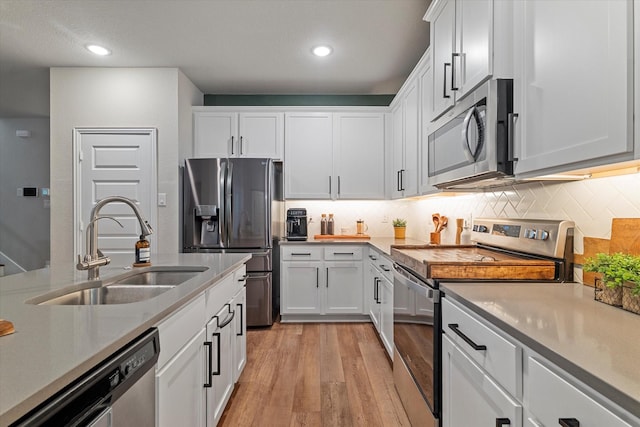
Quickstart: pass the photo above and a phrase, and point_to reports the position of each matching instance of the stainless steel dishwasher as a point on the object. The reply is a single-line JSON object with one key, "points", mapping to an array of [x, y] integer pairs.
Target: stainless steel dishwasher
{"points": [[118, 392]]}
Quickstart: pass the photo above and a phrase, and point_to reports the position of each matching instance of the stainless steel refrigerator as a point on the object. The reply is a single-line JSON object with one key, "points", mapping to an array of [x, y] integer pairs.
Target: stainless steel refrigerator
{"points": [[233, 205]]}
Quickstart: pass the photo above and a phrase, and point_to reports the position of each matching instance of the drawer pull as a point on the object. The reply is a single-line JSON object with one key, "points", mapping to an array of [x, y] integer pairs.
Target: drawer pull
{"points": [[569, 422], [300, 253], [343, 253], [373, 257], [384, 267], [503, 422], [454, 328], [209, 345]]}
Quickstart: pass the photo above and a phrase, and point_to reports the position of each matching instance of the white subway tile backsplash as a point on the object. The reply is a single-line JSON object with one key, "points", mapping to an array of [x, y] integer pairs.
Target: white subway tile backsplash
{"points": [[590, 203]]}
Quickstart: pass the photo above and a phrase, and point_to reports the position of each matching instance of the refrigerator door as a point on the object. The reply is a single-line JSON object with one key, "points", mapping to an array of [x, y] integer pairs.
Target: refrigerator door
{"points": [[203, 213], [259, 306], [248, 203]]}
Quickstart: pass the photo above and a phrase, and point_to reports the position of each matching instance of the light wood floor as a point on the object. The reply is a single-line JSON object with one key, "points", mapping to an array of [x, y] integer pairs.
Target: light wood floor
{"points": [[316, 374]]}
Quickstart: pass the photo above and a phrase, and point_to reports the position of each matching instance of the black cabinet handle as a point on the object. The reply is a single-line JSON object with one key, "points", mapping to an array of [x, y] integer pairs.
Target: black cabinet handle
{"points": [[503, 422], [378, 288], [402, 180], [241, 142], [329, 185], [338, 185], [454, 328], [241, 321], [300, 253], [444, 83], [228, 320], [327, 277], [373, 257], [317, 277], [232, 145], [569, 422], [453, 70], [384, 267], [343, 253], [375, 289], [209, 382], [217, 371], [398, 182]]}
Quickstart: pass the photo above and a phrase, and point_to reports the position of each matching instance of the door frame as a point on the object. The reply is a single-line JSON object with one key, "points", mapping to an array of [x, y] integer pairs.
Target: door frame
{"points": [[152, 216]]}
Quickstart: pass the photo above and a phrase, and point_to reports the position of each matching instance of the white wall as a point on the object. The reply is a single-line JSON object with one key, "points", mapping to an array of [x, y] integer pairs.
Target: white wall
{"points": [[24, 221], [115, 97]]}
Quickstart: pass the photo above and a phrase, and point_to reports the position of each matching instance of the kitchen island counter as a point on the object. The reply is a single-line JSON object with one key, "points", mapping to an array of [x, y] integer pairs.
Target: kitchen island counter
{"points": [[55, 344], [594, 342]]}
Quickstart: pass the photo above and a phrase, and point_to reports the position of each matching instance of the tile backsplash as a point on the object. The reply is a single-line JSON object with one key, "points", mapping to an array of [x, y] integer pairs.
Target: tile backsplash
{"points": [[590, 203]]}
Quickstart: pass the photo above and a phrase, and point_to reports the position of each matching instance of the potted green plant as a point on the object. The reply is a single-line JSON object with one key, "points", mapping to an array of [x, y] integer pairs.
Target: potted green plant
{"points": [[399, 228], [620, 275]]}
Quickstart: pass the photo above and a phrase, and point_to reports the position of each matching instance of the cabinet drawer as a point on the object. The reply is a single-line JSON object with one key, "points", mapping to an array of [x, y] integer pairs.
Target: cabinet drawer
{"points": [[301, 253], [220, 294], [550, 397], [343, 253], [501, 358], [178, 329]]}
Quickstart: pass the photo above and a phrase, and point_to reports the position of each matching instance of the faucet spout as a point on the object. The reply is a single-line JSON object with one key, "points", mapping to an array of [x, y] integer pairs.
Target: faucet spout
{"points": [[94, 258]]}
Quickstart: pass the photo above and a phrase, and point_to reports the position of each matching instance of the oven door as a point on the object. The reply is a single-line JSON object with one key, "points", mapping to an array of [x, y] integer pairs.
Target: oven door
{"points": [[417, 339]]}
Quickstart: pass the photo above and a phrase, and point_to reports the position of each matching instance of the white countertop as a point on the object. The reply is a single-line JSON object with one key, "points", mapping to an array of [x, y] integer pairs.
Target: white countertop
{"points": [[53, 345], [381, 243], [595, 342]]}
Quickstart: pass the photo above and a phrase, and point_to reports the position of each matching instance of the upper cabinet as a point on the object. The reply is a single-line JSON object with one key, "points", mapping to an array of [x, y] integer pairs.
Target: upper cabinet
{"points": [[406, 132], [219, 133], [335, 155], [462, 49], [573, 90]]}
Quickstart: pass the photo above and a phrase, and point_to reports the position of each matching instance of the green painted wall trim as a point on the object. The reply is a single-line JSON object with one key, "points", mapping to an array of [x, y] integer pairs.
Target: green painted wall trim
{"points": [[298, 100]]}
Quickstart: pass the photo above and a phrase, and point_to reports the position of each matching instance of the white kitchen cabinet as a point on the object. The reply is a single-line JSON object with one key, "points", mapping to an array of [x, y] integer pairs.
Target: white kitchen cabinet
{"points": [[573, 86], [359, 147], [179, 384], [470, 397], [238, 134], [220, 363], [239, 333], [550, 397], [309, 156], [470, 43], [385, 296], [406, 132], [381, 297], [331, 155], [332, 286], [372, 288], [426, 113]]}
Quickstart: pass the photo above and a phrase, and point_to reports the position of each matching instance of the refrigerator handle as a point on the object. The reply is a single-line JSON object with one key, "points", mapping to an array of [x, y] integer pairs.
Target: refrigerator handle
{"points": [[228, 196]]}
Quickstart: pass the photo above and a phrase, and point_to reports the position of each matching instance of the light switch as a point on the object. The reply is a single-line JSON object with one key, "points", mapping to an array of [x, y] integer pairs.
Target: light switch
{"points": [[162, 199]]}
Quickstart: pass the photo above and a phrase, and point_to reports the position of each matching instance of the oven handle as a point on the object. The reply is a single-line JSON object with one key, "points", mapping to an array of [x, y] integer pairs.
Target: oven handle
{"points": [[404, 278]]}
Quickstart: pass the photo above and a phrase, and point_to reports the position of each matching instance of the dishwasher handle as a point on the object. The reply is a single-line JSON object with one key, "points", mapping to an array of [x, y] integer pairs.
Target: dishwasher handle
{"points": [[404, 278]]}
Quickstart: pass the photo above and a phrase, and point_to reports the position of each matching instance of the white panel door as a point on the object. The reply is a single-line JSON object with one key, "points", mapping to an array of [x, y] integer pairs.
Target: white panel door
{"points": [[411, 107], [474, 44], [300, 287], [261, 135], [215, 134], [343, 288], [308, 162], [397, 142], [359, 160], [442, 44], [115, 162]]}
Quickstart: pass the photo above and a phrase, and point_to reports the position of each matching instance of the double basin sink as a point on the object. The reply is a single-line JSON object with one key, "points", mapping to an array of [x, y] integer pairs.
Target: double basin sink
{"points": [[123, 289]]}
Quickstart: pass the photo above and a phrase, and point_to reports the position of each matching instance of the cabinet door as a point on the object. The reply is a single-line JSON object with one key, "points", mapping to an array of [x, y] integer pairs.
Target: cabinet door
{"points": [[343, 288], [359, 155], [411, 107], [574, 87], [261, 135], [550, 397], [221, 368], [215, 134], [372, 287], [239, 333], [474, 31], [442, 43], [180, 386], [309, 156], [426, 102], [299, 287], [397, 152], [469, 396], [386, 314]]}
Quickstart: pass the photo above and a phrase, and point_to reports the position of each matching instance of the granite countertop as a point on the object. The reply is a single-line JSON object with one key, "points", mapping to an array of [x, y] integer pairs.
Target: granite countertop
{"points": [[381, 243], [596, 343], [53, 345]]}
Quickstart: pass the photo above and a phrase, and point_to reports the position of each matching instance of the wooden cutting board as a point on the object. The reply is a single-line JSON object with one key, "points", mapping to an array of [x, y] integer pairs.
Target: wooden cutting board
{"points": [[592, 246], [6, 327], [625, 235]]}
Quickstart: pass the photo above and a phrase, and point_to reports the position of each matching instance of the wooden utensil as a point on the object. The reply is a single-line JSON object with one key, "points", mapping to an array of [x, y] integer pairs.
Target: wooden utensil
{"points": [[6, 327], [459, 227], [436, 220], [443, 223]]}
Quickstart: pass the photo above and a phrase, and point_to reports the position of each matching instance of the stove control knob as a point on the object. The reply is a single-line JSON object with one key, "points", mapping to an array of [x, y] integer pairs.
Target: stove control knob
{"points": [[529, 233], [480, 228], [542, 234]]}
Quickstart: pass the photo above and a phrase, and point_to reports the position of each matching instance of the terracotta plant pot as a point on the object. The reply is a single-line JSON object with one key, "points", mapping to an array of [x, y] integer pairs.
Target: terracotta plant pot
{"points": [[399, 232], [630, 302], [607, 295]]}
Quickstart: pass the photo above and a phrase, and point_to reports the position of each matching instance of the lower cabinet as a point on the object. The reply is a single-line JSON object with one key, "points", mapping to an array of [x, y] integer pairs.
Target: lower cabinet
{"points": [[381, 298], [385, 295], [317, 284], [203, 353], [470, 397]]}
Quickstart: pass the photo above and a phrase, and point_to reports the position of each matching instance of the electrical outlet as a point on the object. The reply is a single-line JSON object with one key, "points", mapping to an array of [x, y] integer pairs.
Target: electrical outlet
{"points": [[385, 219]]}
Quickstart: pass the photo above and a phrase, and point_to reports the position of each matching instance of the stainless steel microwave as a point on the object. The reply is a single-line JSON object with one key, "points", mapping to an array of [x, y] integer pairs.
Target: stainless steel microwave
{"points": [[472, 145]]}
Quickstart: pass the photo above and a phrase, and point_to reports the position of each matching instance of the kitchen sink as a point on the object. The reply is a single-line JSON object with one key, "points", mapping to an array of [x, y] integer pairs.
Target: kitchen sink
{"points": [[123, 289]]}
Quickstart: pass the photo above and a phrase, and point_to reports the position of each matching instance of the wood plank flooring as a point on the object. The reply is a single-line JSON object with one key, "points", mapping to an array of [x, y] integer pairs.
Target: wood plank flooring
{"points": [[315, 374]]}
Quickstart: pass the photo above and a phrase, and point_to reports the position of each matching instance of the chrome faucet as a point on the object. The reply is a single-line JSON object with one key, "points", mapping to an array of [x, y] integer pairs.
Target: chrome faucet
{"points": [[94, 258]]}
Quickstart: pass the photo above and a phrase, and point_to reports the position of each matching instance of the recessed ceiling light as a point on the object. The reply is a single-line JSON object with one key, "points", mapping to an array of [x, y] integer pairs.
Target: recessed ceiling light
{"points": [[322, 50], [98, 50]]}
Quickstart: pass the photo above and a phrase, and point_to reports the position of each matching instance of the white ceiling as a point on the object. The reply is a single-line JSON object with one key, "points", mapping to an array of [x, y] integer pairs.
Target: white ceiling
{"points": [[223, 46]]}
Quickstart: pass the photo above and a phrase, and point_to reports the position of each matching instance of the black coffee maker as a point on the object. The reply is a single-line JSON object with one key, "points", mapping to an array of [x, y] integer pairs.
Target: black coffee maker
{"points": [[296, 224]]}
